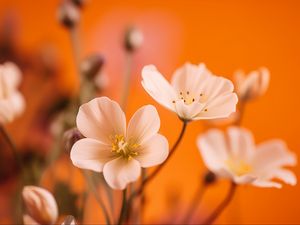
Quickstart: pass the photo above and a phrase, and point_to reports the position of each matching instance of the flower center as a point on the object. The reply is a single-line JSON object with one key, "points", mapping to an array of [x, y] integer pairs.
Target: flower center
{"points": [[122, 148], [187, 97], [238, 167]]}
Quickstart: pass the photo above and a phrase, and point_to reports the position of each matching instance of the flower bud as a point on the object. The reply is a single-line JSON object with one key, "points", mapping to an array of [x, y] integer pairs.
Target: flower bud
{"points": [[253, 85], [68, 14], [209, 178], [69, 220], [70, 137], [133, 39], [92, 65], [40, 206]]}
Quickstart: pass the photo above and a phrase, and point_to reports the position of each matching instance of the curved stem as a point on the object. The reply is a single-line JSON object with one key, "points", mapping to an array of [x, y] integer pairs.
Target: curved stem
{"points": [[12, 146], [97, 197], [126, 82], [195, 202], [158, 169], [123, 209], [221, 207]]}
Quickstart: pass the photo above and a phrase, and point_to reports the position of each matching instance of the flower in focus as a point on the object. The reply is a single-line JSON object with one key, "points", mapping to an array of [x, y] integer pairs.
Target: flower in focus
{"points": [[12, 102], [113, 150], [253, 85], [194, 92], [40, 205], [234, 155]]}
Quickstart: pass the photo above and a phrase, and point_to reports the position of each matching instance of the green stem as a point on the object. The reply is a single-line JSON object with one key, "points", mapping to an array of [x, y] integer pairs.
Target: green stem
{"points": [[97, 197], [123, 208], [222, 206]]}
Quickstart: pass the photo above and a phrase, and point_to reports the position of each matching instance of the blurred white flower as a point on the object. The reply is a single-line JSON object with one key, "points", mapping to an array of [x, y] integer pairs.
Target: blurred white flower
{"points": [[133, 39], [110, 149], [194, 94], [69, 220], [252, 85], [40, 205], [233, 155], [12, 102]]}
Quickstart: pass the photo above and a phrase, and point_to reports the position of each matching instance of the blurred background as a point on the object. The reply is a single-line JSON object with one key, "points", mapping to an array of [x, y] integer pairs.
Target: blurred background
{"points": [[225, 35]]}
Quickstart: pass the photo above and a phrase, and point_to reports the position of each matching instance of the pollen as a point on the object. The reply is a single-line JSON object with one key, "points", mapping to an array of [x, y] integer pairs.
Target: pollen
{"points": [[238, 167], [122, 148]]}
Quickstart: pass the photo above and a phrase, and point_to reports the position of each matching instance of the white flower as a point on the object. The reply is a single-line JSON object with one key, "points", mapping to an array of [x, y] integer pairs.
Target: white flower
{"points": [[194, 94], [110, 149], [253, 85], [234, 155], [12, 102], [40, 205]]}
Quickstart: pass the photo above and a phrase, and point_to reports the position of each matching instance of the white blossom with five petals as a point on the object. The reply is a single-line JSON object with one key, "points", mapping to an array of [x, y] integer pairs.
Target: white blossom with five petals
{"points": [[12, 102], [234, 155], [114, 150], [194, 93]]}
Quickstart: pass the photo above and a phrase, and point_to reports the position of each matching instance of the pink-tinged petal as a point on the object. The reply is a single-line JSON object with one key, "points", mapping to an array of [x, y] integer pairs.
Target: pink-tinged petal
{"points": [[285, 175], [188, 112], [153, 152], [28, 220], [266, 184], [220, 107], [40, 205], [91, 154], [11, 75], [273, 154], [213, 148], [158, 87], [6, 113], [244, 179], [190, 78], [17, 103], [217, 86], [101, 118], [119, 172], [241, 143], [143, 125], [264, 80]]}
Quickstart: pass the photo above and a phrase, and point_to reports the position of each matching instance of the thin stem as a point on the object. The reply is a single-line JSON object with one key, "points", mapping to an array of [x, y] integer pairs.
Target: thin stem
{"points": [[197, 198], [123, 208], [242, 107], [12, 146], [126, 82], [97, 197], [158, 169], [222, 206]]}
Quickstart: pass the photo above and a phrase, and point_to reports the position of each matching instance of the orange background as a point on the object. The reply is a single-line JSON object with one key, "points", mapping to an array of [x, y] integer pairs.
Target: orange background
{"points": [[226, 35]]}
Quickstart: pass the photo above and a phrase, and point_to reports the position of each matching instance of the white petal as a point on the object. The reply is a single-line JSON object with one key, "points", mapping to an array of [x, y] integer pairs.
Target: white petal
{"points": [[188, 112], [143, 125], [119, 172], [190, 78], [220, 107], [217, 86], [17, 103], [91, 154], [245, 179], [158, 87], [153, 152], [28, 220], [101, 118], [266, 184], [285, 175], [6, 112], [241, 143], [272, 154], [11, 75], [212, 146]]}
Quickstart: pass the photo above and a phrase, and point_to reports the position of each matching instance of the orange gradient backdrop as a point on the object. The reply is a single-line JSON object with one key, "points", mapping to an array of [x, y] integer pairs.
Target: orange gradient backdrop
{"points": [[226, 35]]}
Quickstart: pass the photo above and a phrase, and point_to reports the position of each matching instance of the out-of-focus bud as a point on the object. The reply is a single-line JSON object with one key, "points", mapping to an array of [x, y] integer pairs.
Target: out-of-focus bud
{"points": [[79, 3], [70, 137], [68, 14], [40, 206], [69, 220], [133, 39], [253, 85], [209, 178], [92, 65], [101, 81]]}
